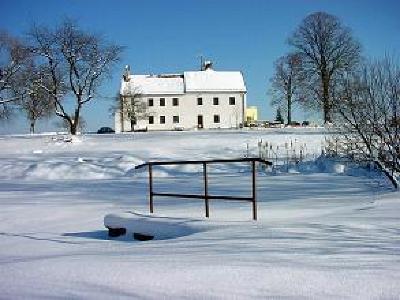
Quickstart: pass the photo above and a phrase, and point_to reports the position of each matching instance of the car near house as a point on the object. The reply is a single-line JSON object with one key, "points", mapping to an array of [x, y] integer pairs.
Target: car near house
{"points": [[105, 130]]}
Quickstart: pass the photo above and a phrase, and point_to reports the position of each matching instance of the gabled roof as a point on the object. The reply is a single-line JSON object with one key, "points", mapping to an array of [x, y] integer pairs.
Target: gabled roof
{"points": [[192, 81], [154, 84], [214, 81]]}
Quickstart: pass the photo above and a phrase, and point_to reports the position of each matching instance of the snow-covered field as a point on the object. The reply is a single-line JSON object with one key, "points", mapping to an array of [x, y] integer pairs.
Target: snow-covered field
{"points": [[325, 230]]}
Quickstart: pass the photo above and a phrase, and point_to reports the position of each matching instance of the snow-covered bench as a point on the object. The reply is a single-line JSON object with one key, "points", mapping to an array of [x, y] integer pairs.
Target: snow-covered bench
{"points": [[146, 227]]}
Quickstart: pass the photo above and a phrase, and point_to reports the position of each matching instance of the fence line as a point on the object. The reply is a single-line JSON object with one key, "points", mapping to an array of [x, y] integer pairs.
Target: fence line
{"points": [[206, 196]]}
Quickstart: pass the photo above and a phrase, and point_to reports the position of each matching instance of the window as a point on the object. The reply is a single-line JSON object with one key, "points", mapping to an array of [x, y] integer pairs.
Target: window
{"points": [[215, 101], [175, 119], [199, 101], [151, 120], [162, 101], [175, 101], [162, 119], [150, 102], [216, 118], [231, 100]]}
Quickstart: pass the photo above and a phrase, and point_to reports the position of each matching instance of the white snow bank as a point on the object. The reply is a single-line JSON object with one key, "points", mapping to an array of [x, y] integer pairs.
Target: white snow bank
{"points": [[322, 165], [70, 171], [68, 168], [159, 227]]}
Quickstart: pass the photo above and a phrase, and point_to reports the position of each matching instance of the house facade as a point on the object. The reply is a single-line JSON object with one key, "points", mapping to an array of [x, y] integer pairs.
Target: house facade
{"points": [[195, 99]]}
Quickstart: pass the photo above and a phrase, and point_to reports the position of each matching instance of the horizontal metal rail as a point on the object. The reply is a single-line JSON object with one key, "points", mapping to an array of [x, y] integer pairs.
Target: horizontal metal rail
{"points": [[206, 195], [192, 196], [199, 162]]}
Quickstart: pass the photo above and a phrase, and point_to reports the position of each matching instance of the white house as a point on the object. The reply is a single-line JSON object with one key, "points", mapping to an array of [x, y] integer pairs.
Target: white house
{"points": [[194, 99]]}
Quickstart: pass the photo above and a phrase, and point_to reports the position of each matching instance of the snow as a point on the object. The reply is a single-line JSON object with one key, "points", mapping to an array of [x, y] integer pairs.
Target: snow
{"points": [[326, 228], [192, 81], [210, 80], [157, 226], [149, 85]]}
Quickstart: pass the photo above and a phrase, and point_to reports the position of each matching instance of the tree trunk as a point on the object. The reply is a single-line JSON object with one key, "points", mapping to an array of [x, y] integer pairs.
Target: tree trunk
{"points": [[289, 109], [325, 97], [32, 127], [327, 112], [75, 121], [73, 128]]}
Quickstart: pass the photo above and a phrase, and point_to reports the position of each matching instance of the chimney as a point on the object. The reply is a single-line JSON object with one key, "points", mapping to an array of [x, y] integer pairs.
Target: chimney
{"points": [[207, 65], [127, 73]]}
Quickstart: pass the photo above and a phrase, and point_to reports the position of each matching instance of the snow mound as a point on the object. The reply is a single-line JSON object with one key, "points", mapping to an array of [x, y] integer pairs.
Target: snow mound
{"points": [[70, 171], [322, 165], [158, 226], [41, 167]]}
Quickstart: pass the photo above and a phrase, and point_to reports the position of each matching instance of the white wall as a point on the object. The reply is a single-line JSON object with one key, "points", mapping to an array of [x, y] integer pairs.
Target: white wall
{"points": [[188, 110]]}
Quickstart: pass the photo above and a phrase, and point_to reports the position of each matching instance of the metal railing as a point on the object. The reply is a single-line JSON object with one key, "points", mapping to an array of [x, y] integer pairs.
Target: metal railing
{"points": [[205, 196]]}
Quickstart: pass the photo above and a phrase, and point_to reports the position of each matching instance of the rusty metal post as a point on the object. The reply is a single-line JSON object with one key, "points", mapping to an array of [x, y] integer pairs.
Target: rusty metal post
{"points": [[151, 188], [206, 190], [253, 164]]}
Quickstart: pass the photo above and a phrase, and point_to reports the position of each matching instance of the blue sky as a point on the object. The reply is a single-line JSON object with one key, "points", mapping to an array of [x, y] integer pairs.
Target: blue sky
{"points": [[170, 36]]}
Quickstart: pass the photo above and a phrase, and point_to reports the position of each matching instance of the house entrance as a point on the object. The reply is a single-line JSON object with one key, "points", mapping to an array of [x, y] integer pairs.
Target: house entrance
{"points": [[200, 121]]}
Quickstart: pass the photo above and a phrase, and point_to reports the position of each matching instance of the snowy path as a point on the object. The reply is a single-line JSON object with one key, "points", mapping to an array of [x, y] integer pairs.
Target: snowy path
{"points": [[319, 235]]}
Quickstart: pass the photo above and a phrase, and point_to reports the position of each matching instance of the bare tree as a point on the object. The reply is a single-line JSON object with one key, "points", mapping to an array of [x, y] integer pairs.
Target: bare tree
{"points": [[36, 102], [286, 82], [368, 113], [13, 57], [130, 106], [328, 50], [74, 63]]}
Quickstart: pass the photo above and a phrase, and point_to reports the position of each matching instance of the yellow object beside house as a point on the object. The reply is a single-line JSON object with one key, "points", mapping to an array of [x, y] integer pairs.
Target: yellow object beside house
{"points": [[251, 114]]}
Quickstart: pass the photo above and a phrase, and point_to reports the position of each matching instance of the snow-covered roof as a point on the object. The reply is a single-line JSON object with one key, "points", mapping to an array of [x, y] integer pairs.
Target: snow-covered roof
{"points": [[193, 81], [214, 81], [154, 84]]}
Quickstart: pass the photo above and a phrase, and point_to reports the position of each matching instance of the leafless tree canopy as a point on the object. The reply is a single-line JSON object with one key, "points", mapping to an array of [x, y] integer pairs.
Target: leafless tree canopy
{"points": [[35, 101], [286, 82], [368, 113], [130, 106], [73, 64], [13, 57], [328, 50]]}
